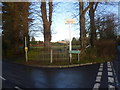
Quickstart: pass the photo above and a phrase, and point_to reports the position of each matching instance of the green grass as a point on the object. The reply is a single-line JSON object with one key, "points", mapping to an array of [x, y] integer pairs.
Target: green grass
{"points": [[37, 56]]}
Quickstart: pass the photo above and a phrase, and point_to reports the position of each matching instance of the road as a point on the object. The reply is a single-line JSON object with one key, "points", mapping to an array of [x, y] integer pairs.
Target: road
{"points": [[90, 76], [116, 65]]}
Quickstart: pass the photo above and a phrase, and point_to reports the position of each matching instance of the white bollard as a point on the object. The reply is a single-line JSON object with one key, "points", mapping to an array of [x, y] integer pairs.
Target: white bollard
{"points": [[51, 56], [78, 57]]}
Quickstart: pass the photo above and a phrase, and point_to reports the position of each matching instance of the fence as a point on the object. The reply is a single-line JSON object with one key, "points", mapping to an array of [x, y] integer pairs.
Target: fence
{"points": [[59, 54]]}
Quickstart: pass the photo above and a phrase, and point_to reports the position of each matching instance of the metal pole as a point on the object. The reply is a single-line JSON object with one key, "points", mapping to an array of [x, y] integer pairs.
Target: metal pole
{"points": [[26, 56], [70, 44]]}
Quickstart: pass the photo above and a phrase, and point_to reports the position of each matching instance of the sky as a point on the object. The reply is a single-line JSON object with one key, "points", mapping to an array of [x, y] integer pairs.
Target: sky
{"points": [[63, 11]]}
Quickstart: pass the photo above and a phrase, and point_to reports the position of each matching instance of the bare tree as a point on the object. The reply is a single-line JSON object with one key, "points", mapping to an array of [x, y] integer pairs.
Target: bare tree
{"points": [[106, 25], [47, 22], [92, 22], [82, 23]]}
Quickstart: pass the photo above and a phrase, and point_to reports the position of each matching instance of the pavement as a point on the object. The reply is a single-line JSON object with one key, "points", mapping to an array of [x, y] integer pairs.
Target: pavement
{"points": [[90, 76]]}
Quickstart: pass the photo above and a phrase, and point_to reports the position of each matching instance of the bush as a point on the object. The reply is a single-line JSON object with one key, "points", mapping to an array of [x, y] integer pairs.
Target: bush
{"points": [[89, 54], [103, 51], [118, 41], [105, 48]]}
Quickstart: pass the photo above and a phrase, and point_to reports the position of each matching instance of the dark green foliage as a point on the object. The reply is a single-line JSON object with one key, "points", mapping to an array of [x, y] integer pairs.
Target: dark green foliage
{"points": [[15, 27], [75, 41]]}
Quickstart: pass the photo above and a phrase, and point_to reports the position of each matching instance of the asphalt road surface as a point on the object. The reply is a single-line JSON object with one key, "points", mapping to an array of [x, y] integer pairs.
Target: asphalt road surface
{"points": [[91, 76]]}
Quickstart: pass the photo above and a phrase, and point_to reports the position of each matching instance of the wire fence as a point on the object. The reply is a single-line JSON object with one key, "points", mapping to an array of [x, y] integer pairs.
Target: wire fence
{"points": [[55, 55]]}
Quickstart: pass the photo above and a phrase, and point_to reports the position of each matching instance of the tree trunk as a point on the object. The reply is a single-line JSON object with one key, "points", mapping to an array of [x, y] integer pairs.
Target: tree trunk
{"points": [[47, 36], [47, 23], [92, 24], [82, 25]]}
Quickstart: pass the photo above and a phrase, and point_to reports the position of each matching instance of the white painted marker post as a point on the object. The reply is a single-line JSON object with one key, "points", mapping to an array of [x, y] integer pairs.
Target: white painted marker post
{"points": [[26, 50], [70, 43], [70, 21], [51, 60], [78, 57]]}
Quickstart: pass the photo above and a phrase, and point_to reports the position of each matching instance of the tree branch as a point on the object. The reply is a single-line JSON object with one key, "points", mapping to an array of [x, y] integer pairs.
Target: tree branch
{"points": [[85, 10], [96, 6], [50, 11]]}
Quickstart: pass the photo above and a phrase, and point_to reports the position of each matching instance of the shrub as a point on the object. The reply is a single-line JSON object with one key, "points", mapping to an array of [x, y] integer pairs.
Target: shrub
{"points": [[90, 54], [105, 48], [118, 41]]}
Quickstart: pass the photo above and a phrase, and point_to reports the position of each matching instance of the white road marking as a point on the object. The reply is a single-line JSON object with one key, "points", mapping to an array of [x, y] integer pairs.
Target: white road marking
{"points": [[100, 69], [111, 87], [110, 73], [109, 69], [101, 66], [111, 79], [116, 79], [99, 74], [109, 66], [96, 86], [108, 62], [98, 79], [2, 78], [16, 87]]}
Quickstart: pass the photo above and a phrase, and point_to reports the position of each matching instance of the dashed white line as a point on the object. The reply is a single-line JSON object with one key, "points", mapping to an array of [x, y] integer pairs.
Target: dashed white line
{"points": [[101, 66], [99, 74], [110, 73], [109, 66], [98, 78], [100, 69], [111, 87], [2, 78], [109, 69], [111, 79], [108, 63], [96, 86], [116, 79]]}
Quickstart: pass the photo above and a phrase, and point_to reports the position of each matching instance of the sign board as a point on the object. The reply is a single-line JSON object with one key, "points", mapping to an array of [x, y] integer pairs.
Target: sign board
{"points": [[75, 51], [70, 21]]}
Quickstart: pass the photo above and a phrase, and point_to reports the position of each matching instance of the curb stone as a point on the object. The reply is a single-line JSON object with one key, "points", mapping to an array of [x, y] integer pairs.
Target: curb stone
{"points": [[62, 66]]}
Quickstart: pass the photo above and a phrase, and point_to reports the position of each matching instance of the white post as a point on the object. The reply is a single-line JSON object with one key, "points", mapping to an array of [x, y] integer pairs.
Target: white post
{"points": [[25, 42], [78, 57], [70, 21], [51, 60], [70, 42], [26, 56]]}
